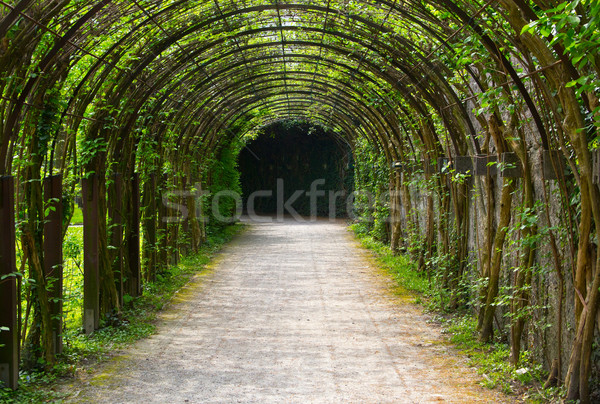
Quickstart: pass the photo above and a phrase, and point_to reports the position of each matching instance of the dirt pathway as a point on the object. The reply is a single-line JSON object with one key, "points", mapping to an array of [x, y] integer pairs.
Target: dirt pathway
{"points": [[293, 312]]}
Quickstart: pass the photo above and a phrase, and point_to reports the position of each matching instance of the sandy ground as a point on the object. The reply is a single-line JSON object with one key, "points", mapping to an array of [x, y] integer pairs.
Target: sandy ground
{"points": [[291, 313]]}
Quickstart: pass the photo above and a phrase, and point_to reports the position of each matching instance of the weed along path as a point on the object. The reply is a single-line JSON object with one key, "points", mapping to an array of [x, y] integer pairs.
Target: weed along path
{"points": [[291, 312]]}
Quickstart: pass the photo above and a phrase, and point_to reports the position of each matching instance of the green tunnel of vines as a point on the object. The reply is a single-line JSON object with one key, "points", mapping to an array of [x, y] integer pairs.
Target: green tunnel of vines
{"points": [[171, 90]]}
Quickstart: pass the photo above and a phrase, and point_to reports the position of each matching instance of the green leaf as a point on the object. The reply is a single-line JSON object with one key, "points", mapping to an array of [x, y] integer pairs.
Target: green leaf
{"points": [[545, 31], [573, 19], [529, 28]]}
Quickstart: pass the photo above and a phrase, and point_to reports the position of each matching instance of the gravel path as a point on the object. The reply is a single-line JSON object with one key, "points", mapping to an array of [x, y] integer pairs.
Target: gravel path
{"points": [[292, 312]]}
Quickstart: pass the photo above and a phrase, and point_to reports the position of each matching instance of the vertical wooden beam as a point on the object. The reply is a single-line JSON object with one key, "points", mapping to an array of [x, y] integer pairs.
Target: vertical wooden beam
{"points": [[163, 229], [150, 227], [185, 226], [115, 213], [173, 237], [135, 282], [91, 252], [596, 165], [53, 254], [9, 340]]}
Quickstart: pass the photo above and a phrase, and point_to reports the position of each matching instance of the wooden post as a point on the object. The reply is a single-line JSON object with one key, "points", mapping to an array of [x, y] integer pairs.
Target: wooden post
{"points": [[150, 227], [53, 254], [115, 213], [173, 238], [163, 229], [135, 282], [185, 226], [9, 340], [91, 252], [596, 165]]}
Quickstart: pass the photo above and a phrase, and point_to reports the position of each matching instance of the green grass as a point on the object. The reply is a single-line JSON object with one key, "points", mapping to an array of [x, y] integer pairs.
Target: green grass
{"points": [[73, 277], [77, 216], [491, 361], [399, 267], [137, 319]]}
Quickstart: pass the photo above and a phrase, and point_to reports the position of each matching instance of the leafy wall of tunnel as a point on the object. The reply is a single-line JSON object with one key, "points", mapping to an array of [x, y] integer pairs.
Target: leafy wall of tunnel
{"points": [[487, 111]]}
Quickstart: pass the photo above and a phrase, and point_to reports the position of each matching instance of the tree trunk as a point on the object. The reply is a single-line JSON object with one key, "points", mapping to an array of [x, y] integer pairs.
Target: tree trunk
{"points": [[524, 272], [486, 330], [109, 298]]}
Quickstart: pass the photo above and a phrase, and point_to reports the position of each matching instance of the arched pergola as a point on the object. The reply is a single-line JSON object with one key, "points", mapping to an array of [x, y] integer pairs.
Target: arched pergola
{"points": [[117, 94]]}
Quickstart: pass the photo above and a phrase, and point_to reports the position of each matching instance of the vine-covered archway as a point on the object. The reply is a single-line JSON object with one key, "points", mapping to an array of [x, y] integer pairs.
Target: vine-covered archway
{"points": [[472, 123]]}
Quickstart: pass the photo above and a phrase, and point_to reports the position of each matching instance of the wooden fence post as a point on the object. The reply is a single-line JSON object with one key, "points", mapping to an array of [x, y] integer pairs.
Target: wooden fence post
{"points": [[150, 227], [91, 252], [53, 254], [163, 229], [115, 213], [135, 282], [9, 340]]}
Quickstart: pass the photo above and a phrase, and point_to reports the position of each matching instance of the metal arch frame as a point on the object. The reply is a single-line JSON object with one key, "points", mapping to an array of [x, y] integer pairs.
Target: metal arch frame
{"points": [[304, 7], [302, 42], [275, 45], [310, 57], [347, 127], [452, 94], [322, 31], [306, 43], [298, 109], [354, 117], [297, 104], [198, 91], [334, 131], [404, 13], [236, 89], [341, 131], [290, 6], [373, 68], [193, 136], [341, 117], [343, 96], [263, 103], [131, 80], [234, 106], [173, 39], [227, 101]]}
